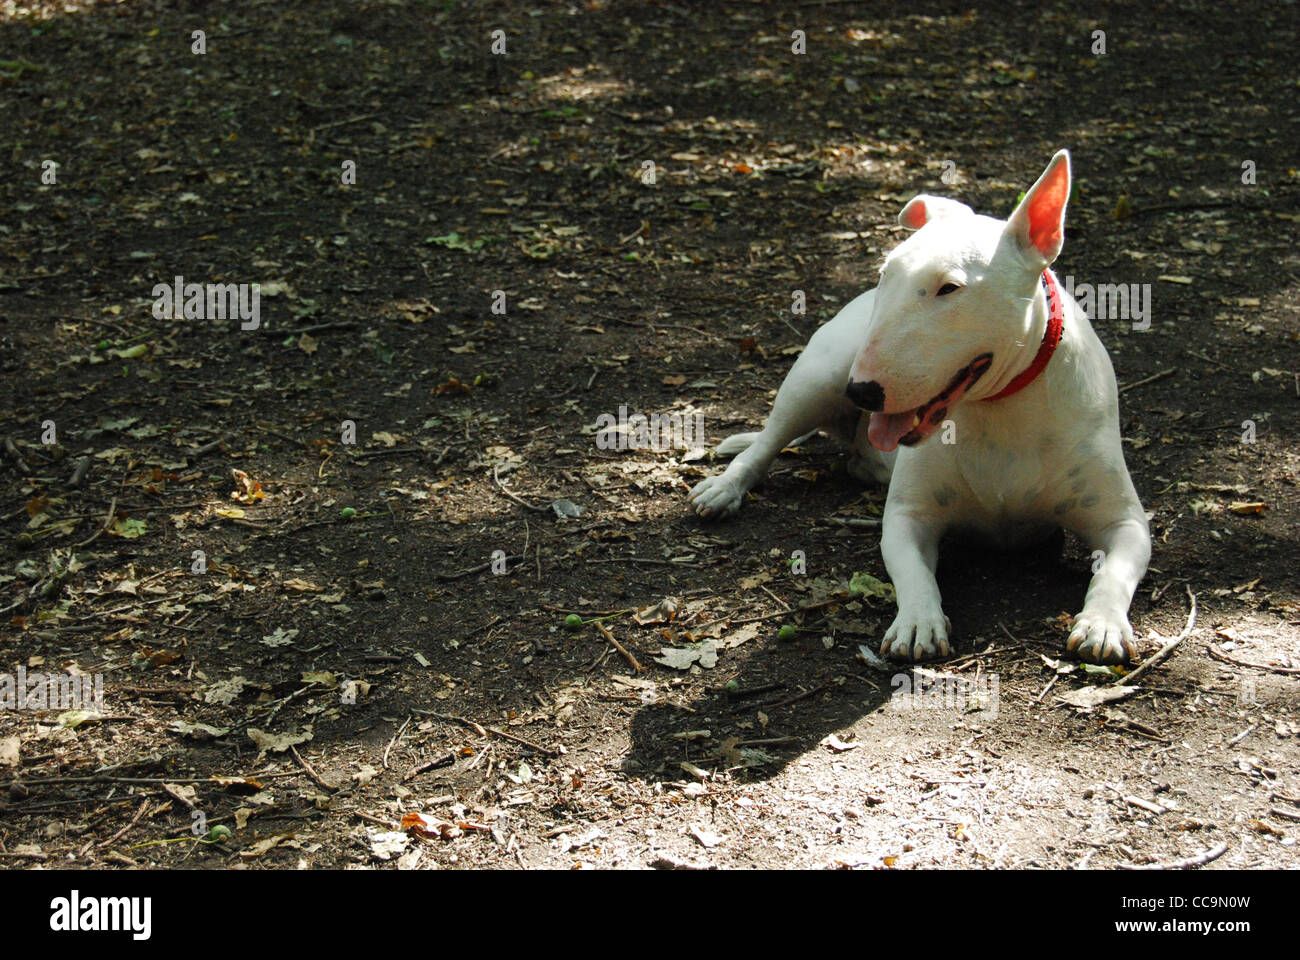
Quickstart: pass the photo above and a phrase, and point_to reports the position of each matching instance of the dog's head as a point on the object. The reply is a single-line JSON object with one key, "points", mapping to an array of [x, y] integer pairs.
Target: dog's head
{"points": [[953, 311]]}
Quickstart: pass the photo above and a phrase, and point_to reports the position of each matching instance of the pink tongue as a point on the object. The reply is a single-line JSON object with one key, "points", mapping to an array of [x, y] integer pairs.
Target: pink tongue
{"points": [[886, 429]]}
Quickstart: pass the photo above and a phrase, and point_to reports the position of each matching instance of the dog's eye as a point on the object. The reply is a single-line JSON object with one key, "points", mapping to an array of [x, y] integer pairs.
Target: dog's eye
{"points": [[948, 288]]}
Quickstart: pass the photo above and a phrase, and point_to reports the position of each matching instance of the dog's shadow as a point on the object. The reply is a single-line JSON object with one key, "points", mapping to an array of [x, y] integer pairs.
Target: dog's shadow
{"points": [[807, 692]]}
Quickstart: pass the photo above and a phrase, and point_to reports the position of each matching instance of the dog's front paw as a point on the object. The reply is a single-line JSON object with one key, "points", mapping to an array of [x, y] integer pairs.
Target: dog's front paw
{"points": [[1102, 637], [917, 636], [717, 497]]}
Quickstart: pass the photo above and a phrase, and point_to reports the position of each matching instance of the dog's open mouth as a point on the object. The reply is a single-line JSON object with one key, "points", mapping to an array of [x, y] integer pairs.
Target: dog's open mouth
{"points": [[887, 430]]}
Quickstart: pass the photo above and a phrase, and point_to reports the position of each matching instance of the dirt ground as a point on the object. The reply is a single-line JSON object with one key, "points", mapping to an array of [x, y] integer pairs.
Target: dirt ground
{"points": [[318, 666]]}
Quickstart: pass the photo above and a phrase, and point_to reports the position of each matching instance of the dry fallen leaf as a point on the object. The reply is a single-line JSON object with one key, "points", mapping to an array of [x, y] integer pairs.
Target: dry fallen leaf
{"points": [[706, 838], [1085, 698], [838, 745], [247, 489], [279, 742], [682, 658], [264, 846], [388, 844], [662, 612]]}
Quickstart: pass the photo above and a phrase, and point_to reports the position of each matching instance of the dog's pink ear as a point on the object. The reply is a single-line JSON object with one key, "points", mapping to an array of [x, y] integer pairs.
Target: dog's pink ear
{"points": [[923, 208], [1038, 224]]}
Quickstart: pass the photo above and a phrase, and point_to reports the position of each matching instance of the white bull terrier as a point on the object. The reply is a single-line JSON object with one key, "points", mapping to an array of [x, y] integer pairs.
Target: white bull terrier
{"points": [[969, 331]]}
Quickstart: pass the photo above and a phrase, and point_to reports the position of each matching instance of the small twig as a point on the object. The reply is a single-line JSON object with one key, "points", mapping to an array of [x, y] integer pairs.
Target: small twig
{"points": [[311, 772], [401, 730], [774, 704], [394, 452], [478, 568], [1201, 356], [619, 647], [769, 742], [428, 765], [622, 241], [1242, 736], [646, 561], [1142, 730], [390, 824], [484, 731], [112, 508], [204, 450], [12, 450], [1142, 210], [779, 602], [1218, 654], [590, 613], [1214, 853], [1151, 379], [853, 521], [1163, 653], [1050, 683], [339, 123], [511, 496], [751, 691], [121, 833], [1147, 805], [769, 616], [282, 332], [666, 861]]}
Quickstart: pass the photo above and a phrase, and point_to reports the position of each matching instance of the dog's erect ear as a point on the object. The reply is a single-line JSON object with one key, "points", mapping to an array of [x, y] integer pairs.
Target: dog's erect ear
{"points": [[923, 208], [1038, 224]]}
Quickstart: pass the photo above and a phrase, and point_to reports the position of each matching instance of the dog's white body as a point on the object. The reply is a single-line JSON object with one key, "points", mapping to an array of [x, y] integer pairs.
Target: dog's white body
{"points": [[959, 313]]}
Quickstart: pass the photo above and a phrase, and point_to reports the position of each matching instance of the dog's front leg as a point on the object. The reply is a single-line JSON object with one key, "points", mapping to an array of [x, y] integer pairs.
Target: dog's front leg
{"points": [[910, 544], [810, 397], [1102, 633]]}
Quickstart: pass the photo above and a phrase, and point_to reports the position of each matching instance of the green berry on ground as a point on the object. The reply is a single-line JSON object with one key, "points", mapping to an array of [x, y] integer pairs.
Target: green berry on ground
{"points": [[348, 512], [786, 633], [572, 621]]}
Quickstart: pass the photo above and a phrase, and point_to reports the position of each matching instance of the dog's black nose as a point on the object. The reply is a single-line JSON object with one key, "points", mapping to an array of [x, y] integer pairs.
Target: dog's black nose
{"points": [[869, 395]]}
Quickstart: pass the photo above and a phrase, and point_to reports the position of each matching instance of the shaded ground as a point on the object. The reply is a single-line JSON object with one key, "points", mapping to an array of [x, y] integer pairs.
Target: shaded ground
{"points": [[408, 677]]}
